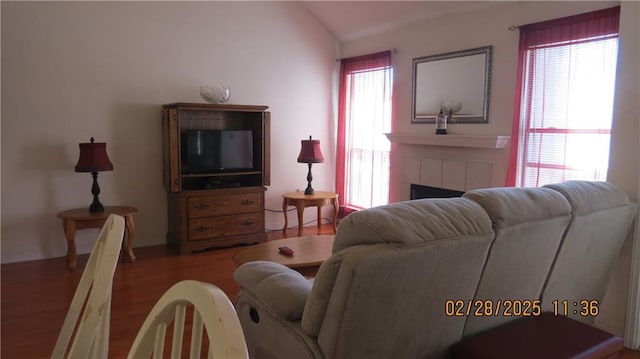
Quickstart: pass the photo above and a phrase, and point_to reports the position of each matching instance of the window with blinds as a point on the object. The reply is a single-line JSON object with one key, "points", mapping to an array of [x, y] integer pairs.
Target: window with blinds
{"points": [[564, 99], [566, 111]]}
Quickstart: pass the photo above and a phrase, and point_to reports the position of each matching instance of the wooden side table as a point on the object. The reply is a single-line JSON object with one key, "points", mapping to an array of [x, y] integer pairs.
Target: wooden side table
{"points": [[81, 218], [301, 201]]}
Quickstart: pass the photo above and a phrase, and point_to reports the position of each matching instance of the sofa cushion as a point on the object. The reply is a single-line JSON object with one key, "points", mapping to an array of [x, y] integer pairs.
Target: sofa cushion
{"points": [[529, 224], [508, 206], [589, 196], [411, 222], [602, 217]]}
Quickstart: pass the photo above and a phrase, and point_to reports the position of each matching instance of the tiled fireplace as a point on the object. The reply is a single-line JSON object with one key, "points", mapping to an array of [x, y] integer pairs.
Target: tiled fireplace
{"points": [[449, 162]]}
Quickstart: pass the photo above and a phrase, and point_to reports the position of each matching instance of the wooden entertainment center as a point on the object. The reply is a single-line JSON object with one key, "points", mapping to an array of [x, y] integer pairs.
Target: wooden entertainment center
{"points": [[209, 204]]}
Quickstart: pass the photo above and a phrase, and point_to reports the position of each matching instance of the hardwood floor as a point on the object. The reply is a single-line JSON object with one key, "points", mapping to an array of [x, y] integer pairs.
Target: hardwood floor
{"points": [[35, 295]]}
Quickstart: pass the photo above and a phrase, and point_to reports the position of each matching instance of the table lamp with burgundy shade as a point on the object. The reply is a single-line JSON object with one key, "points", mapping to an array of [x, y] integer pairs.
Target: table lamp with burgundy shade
{"points": [[310, 153], [94, 159]]}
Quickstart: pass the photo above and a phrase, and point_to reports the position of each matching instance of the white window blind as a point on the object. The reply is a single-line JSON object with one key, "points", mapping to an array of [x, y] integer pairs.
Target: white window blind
{"points": [[566, 111]]}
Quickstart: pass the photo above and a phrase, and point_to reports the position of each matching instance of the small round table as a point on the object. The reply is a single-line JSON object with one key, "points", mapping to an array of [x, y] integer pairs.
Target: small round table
{"points": [[81, 218], [301, 201]]}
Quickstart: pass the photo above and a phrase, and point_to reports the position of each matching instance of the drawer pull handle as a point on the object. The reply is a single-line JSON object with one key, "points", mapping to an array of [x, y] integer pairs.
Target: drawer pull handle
{"points": [[247, 223], [202, 206], [202, 229], [246, 202]]}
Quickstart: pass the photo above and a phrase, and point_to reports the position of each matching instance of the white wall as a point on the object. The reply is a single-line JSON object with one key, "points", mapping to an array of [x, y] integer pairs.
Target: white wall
{"points": [[624, 172], [489, 27], [73, 70]]}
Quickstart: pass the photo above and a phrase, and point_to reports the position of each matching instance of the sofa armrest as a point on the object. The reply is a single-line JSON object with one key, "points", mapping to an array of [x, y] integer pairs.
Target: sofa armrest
{"points": [[279, 288]]}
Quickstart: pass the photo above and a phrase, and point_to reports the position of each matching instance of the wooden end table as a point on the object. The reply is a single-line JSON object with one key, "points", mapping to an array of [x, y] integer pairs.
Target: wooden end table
{"points": [[301, 201], [309, 252], [81, 218]]}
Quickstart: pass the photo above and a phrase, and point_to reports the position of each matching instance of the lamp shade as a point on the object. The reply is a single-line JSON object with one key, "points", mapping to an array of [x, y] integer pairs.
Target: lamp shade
{"points": [[93, 157], [310, 152]]}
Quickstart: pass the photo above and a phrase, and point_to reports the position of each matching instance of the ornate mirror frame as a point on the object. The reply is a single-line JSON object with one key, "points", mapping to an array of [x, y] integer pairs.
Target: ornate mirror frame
{"points": [[459, 79]]}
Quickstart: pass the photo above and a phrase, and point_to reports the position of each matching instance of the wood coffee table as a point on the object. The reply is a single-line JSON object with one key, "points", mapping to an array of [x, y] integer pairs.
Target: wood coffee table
{"points": [[309, 252]]}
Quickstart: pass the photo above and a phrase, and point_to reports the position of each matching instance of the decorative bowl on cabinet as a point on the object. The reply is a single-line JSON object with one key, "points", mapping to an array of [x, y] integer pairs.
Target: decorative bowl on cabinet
{"points": [[215, 94]]}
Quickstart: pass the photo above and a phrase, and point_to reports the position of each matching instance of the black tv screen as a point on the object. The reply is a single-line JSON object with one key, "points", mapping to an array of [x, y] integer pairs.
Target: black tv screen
{"points": [[217, 150]]}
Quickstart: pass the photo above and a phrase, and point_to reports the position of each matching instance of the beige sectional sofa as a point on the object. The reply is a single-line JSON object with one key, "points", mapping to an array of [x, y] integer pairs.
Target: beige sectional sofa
{"points": [[410, 279]]}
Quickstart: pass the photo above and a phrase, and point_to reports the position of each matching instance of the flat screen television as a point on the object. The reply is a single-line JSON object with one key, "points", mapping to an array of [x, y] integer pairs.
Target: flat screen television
{"points": [[206, 151]]}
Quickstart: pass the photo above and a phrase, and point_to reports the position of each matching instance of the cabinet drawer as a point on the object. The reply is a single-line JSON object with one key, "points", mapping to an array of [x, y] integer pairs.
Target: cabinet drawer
{"points": [[224, 204], [203, 228]]}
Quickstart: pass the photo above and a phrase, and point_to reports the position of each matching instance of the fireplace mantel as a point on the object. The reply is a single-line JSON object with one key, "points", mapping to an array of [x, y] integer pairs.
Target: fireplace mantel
{"points": [[469, 141]]}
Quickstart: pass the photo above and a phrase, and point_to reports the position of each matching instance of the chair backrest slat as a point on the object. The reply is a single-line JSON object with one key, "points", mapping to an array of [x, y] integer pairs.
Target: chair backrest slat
{"points": [[178, 330], [91, 303], [161, 333], [196, 335]]}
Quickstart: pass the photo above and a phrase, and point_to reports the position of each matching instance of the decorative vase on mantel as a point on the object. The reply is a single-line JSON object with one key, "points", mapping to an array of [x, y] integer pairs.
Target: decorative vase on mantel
{"points": [[441, 123]]}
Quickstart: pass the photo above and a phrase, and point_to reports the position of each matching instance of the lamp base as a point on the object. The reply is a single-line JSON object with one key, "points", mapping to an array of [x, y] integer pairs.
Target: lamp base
{"points": [[309, 190], [96, 206]]}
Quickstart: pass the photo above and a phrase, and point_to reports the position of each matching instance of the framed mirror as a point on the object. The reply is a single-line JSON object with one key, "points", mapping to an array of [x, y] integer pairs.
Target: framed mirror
{"points": [[457, 81]]}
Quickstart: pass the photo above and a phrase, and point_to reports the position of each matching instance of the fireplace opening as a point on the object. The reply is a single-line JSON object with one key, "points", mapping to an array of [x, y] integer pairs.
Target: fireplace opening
{"points": [[420, 191]]}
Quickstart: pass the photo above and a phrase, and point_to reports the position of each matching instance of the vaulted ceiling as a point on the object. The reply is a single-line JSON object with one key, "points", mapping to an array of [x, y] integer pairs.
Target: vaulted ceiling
{"points": [[349, 20]]}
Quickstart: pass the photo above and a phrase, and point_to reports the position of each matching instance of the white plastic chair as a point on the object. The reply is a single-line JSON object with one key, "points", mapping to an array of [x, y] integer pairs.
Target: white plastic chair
{"points": [[92, 300], [212, 310]]}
